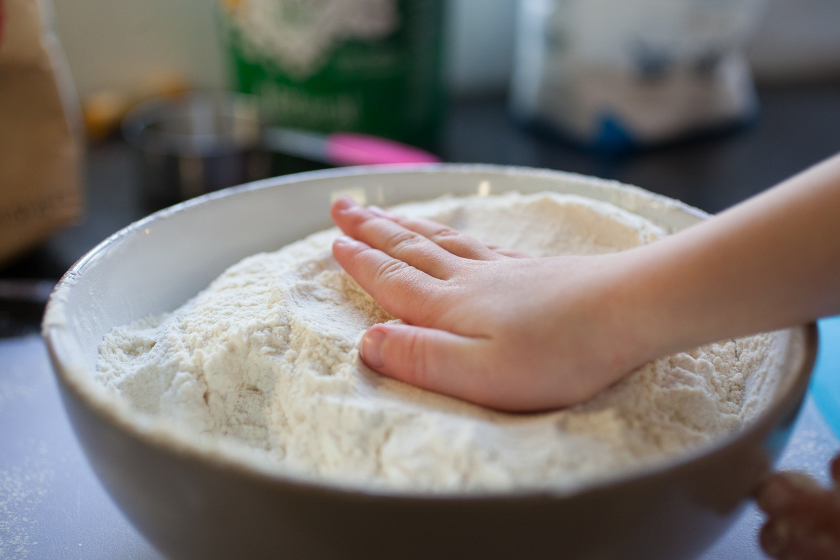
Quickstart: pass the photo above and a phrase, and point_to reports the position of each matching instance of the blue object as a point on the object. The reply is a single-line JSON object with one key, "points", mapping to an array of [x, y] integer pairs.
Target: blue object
{"points": [[825, 383], [613, 138]]}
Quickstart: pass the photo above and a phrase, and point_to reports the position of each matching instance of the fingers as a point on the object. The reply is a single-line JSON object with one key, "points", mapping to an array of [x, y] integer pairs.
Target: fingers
{"points": [[788, 539], [390, 237], [504, 251], [402, 290], [431, 359], [450, 239], [804, 519], [783, 490]]}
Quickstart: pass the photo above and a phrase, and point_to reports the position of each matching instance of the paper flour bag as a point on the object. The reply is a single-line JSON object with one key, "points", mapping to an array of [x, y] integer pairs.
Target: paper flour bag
{"points": [[40, 133]]}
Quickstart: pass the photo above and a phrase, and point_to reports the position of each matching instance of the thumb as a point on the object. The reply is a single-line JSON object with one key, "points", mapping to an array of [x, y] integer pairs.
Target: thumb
{"points": [[431, 359]]}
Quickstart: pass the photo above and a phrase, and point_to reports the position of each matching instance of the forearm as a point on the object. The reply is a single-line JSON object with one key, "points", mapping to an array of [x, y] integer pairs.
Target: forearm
{"points": [[768, 263]]}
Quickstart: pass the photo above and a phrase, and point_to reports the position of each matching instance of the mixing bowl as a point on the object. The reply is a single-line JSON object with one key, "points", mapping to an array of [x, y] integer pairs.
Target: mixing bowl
{"points": [[192, 501]]}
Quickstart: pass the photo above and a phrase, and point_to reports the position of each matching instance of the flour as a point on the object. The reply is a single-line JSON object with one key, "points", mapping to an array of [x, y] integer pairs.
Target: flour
{"points": [[265, 361]]}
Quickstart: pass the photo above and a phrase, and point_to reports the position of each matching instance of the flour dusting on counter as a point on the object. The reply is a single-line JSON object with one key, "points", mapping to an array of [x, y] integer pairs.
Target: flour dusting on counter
{"points": [[266, 359]]}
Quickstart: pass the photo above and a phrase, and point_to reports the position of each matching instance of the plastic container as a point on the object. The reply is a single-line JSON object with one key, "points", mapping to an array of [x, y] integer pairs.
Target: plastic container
{"points": [[617, 74]]}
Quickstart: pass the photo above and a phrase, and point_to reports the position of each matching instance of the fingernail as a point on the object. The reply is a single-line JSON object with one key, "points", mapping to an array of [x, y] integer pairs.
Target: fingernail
{"points": [[371, 348], [801, 481], [775, 496], [344, 203], [345, 241], [380, 212], [773, 537]]}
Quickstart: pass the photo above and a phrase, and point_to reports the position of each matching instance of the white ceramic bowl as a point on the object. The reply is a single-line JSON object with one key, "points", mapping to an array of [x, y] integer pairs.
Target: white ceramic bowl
{"points": [[193, 503]]}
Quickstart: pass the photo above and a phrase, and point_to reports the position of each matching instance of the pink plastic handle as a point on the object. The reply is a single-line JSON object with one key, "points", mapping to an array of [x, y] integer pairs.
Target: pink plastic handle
{"points": [[348, 148]]}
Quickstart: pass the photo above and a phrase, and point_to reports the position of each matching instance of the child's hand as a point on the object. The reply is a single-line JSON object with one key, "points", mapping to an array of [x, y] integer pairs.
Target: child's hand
{"points": [[803, 518], [537, 333], [483, 325]]}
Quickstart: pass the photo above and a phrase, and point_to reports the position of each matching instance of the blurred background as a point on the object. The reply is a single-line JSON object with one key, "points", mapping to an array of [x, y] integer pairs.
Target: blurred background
{"points": [[706, 101], [119, 44]]}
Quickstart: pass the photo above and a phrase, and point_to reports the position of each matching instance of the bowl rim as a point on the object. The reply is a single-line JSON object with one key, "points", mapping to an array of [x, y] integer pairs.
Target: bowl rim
{"points": [[152, 433]]}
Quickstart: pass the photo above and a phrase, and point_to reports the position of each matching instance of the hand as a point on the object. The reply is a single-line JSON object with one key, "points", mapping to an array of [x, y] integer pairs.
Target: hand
{"points": [[483, 324], [538, 333], [803, 518]]}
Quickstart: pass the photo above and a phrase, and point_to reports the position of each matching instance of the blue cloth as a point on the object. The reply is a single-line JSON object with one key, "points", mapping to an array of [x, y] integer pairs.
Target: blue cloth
{"points": [[825, 383]]}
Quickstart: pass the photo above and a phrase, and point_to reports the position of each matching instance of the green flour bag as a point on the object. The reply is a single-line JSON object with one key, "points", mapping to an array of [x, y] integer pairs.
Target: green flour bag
{"points": [[371, 66]]}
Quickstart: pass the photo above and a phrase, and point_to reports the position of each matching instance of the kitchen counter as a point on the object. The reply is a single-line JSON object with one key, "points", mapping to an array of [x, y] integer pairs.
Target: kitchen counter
{"points": [[51, 505]]}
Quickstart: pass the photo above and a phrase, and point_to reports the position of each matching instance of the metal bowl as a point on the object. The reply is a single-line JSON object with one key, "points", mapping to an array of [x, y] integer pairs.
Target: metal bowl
{"points": [[196, 143], [192, 502]]}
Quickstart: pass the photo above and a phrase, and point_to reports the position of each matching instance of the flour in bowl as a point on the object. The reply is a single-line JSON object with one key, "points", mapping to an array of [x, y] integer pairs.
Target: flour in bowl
{"points": [[265, 360]]}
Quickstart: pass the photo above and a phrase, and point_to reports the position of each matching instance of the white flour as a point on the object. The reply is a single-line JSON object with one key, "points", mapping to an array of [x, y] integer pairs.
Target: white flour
{"points": [[266, 359]]}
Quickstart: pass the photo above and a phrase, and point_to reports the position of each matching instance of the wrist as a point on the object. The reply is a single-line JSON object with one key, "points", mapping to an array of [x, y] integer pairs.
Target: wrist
{"points": [[650, 305], [628, 323]]}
